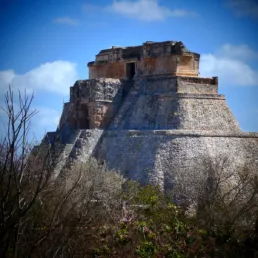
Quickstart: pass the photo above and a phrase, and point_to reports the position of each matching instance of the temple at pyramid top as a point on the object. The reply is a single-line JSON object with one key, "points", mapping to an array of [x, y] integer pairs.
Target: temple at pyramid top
{"points": [[149, 59]]}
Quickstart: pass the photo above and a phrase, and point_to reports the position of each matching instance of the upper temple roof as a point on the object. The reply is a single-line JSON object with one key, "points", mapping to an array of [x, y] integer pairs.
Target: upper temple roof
{"points": [[149, 59], [177, 47]]}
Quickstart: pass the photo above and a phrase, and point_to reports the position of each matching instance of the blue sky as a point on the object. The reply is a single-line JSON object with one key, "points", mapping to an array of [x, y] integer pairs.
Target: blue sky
{"points": [[45, 46]]}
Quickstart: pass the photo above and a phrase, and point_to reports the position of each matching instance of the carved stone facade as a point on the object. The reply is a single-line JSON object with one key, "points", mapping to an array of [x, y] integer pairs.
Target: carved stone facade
{"points": [[150, 59], [145, 112]]}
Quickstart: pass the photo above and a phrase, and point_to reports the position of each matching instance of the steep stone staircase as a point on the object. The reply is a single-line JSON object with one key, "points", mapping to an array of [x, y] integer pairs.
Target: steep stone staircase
{"points": [[64, 152], [126, 109], [57, 154]]}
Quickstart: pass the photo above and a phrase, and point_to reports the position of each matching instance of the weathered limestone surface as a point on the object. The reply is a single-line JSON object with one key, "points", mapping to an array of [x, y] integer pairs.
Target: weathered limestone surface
{"points": [[158, 127], [164, 103], [93, 104], [150, 59], [157, 156]]}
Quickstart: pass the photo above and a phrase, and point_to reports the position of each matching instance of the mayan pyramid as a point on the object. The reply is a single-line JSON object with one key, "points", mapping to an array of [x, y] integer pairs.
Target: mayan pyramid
{"points": [[146, 112]]}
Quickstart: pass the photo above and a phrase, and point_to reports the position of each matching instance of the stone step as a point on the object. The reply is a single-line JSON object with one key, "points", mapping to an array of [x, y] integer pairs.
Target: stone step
{"points": [[125, 111], [63, 159]]}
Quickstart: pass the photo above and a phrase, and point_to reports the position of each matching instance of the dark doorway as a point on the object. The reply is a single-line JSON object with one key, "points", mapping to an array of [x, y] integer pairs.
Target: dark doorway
{"points": [[130, 70], [83, 117]]}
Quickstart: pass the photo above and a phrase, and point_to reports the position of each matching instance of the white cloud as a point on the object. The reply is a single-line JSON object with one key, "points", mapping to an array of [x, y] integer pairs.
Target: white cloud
{"points": [[242, 52], [244, 7], [6, 77], [147, 10], [54, 77], [66, 21], [47, 117], [229, 66], [46, 120]]}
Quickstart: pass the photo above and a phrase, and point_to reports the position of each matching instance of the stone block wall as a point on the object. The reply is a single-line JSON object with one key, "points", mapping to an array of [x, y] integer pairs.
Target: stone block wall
{"points": [[94, 102], [150, 59], [170, 102], [197, 85], [115, 70], [145, 67], [163, 157]]}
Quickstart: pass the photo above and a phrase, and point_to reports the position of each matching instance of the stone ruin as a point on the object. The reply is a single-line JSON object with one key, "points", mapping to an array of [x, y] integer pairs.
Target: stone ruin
{"points": [[144, 111]]}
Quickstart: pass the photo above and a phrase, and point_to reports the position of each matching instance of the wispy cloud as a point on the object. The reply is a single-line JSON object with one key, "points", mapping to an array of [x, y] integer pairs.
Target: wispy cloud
{"points": [[47, 117], [53, 77], [90, 8], [243, 52], [66, 21], [228, 63], [244, 7], [146, 10], [45, 120]]}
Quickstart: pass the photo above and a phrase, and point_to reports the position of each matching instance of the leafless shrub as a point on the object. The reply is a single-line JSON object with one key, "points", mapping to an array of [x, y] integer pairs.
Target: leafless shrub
{"points": [[220, 194], [20, 184], [39, 216]]}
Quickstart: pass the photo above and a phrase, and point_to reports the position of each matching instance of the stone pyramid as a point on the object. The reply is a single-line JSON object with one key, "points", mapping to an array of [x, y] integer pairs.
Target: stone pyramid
{"points": [[146, 112]]}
